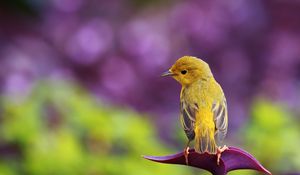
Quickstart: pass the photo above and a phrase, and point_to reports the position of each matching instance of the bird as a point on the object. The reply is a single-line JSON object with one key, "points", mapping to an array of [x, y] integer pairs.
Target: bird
{"points": [[203, 106]]}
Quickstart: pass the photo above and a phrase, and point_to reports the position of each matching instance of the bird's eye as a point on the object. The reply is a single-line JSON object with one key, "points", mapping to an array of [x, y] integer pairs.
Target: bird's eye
{"points": [[183, 72]]}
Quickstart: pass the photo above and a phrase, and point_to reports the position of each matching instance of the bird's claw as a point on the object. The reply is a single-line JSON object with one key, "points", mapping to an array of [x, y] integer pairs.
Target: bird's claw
{"points": [[186, 155], [219, 152]]}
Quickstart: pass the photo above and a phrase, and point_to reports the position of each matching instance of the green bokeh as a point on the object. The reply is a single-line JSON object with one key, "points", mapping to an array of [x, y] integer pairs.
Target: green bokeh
{"points": [[272, 135], [60, 129]]}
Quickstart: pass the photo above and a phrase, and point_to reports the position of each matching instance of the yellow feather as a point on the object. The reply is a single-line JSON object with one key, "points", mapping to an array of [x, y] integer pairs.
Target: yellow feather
{"points": [[203, 104]]}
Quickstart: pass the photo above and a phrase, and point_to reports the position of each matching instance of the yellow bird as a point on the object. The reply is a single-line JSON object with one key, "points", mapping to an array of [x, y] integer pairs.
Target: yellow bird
{"points": [[203, 107]]}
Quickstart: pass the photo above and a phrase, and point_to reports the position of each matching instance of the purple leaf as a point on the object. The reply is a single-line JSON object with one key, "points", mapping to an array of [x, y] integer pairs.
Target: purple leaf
{"points": [[231, 159]]}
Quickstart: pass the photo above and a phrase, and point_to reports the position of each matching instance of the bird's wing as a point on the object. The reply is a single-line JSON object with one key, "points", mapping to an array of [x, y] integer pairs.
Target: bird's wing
{"points": [[187, 118], [220, 114]]}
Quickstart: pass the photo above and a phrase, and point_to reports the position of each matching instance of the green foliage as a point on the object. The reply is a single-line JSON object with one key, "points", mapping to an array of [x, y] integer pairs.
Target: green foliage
{"points": [[243, 172], [272, 135], [61, 130]]}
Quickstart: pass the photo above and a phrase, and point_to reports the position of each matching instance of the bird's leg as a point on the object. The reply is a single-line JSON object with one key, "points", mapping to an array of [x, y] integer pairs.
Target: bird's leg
{"points": [[219, 152], [186, 152]]}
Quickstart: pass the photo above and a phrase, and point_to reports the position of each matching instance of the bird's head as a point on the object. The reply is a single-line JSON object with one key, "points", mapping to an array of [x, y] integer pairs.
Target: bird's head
{"points": [[188, 69]]}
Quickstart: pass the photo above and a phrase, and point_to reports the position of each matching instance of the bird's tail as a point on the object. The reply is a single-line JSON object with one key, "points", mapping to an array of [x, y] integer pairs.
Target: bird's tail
{"points": [[205, 140]]}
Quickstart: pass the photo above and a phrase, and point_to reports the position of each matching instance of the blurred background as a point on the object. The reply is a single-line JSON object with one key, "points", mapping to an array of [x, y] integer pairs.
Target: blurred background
{"points": [[81, 91]]}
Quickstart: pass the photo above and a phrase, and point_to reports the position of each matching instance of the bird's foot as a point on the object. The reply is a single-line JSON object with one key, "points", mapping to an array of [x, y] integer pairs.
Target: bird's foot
{"points": [[186, 154], [219, 152]]}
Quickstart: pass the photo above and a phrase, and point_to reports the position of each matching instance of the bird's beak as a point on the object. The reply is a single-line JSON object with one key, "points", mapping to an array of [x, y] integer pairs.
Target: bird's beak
{"points": [[167, 73]]}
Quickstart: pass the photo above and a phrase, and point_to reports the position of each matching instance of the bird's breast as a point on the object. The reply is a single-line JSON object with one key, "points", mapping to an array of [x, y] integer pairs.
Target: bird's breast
{"points": [[197, 95]]}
